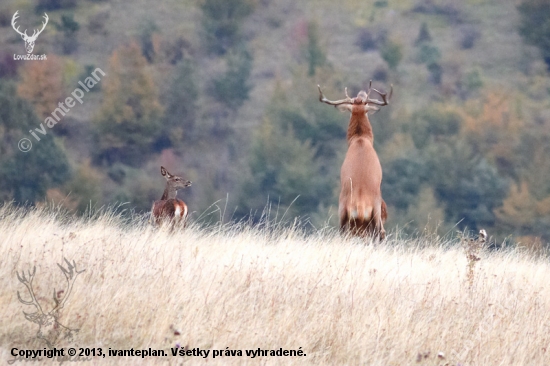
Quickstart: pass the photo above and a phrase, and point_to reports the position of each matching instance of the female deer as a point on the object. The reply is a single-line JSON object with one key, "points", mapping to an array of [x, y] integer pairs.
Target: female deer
{"points": [[169, 208]]}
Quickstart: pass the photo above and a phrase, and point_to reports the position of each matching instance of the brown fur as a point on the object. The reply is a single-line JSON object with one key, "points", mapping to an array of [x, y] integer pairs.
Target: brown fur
{"points": [[360, 204], [166, 210]]}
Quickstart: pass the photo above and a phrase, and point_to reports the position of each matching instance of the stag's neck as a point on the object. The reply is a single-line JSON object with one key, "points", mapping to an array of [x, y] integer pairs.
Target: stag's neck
{"points": [[169, 193], [359, 126]]}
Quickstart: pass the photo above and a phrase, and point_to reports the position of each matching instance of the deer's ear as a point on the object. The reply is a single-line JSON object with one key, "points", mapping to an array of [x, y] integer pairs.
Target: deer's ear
{"points": [[167, 174], [344, 107], [23, 36], [371, 108], [163, 171]]}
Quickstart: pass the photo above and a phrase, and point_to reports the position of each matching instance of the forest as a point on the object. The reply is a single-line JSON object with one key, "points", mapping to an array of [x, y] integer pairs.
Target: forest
{"points": [[224, 93]]}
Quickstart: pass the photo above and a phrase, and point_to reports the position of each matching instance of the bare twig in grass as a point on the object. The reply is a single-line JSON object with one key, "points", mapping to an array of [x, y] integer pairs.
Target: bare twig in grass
{"points": [[472, 248]]}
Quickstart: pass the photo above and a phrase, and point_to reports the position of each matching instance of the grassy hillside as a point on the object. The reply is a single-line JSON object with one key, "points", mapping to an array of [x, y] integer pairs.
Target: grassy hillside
{"points": [[342, 302], [462, 143]]}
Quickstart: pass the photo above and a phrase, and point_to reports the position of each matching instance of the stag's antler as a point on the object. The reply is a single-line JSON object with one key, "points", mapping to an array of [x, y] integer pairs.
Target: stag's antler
{"points": [[13, 19], [28, 284], [24, 34], [70, 274], [322, 98], [35, 35], [384, 96]]}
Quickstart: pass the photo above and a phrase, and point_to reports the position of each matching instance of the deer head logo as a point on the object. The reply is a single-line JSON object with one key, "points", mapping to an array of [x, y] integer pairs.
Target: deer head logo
{"points": [[50, 329], [29, 41]]}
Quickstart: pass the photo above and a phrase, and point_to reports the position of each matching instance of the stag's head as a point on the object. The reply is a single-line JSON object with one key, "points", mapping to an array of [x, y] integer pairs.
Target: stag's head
{"points": [[49, 329], [362, 100], [29, 40]]}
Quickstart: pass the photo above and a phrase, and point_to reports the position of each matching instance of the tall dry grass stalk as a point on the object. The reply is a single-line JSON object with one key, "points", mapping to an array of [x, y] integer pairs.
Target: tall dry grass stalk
{"points": [[397, 303]]}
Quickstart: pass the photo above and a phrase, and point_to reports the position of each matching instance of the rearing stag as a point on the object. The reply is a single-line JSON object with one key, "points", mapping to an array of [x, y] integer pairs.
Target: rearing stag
{"points": [[361, 209]]}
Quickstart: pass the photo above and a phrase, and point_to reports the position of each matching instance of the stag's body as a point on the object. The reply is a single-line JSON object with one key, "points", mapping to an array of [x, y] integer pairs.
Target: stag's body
{"points": [[360, 204], [169, 208], [361, 210]]}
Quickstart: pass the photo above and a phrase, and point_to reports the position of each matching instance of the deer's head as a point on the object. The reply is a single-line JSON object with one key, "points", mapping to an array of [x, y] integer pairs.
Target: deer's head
{"points": [[362, 101], [175, 182], [50, 330], [29, 40]]}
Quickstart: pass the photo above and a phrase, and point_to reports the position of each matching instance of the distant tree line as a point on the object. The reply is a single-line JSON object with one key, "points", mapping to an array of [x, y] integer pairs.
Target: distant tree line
{"points": [[475, 161]]}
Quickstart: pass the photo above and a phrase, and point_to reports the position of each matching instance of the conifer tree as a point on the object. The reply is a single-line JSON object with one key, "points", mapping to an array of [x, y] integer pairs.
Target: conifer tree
{"points": [[129, 119], [26, 176]]}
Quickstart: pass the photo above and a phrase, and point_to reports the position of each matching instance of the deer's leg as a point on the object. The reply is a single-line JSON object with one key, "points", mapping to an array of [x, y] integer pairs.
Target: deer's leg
{"points": [[344, 222], [378, 224]]}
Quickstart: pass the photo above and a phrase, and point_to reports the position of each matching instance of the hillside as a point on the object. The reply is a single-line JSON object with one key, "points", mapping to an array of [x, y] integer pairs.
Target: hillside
{"points": [[225, 94]]}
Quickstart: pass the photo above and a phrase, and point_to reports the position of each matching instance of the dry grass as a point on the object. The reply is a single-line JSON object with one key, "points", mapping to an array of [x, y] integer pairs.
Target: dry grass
{"points": [[342, 302]]}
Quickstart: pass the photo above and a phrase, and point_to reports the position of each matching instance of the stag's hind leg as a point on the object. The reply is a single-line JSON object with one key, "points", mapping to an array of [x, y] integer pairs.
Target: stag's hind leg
{"points": [[379, 216], [344, 223]]}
